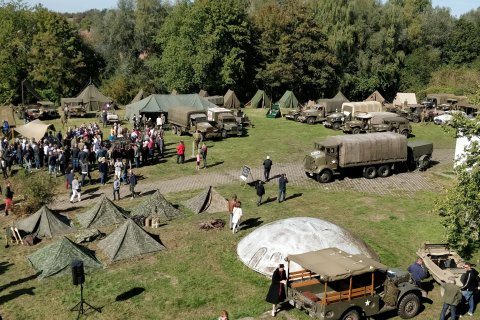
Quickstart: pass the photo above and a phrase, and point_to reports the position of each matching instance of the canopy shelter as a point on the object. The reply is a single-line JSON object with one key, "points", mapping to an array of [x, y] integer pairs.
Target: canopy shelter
{"points": [[160, 103], [92, 98], [104, 213], [288, 100], [45, 223], [230, 100], [334, 104], [157, 206], [376, 96], [56, 258], [138, 97], [35, 129], [129, 241], [209, 200], [333, 264], [6, 113], [260, 100], [403, 98]]}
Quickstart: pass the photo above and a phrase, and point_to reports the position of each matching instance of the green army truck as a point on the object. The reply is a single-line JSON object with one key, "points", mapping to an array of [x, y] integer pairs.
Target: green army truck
{"points": [[188, 120], [376, 154], [349, 110], [335, 285], [224, 120], [378, 122]]}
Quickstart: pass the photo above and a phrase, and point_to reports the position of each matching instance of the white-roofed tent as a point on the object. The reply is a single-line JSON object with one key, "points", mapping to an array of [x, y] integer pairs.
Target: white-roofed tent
{"points": [[35, 129], [402, 97]]}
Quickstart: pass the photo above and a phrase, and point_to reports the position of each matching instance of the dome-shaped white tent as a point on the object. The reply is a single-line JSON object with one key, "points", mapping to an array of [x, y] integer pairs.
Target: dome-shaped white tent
{"points": [[263, 249]]}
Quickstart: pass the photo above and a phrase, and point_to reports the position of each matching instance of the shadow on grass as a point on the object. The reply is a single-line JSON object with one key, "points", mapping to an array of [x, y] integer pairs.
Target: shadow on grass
{"points": [[293, 196], [215, 164], [4, 266], [129, 294], [147, 193], [15, 294], [250, 223], [92, 196], [269, 199], [18, 281]]}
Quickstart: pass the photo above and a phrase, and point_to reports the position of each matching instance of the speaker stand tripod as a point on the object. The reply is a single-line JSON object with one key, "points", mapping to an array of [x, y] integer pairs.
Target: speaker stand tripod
{"points": [[79, 306]]}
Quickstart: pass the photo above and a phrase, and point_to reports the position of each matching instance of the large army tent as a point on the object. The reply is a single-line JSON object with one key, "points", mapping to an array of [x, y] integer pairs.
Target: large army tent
{"points": [[401, 98], [92, 98], [334, 104], [45, 223], [209, 200], [157, 103], [56, 258], [260, 100], [157, 206], [288, 100], [376, 96], [104, 213], [230, 100], [35, 129], [128, 241]]}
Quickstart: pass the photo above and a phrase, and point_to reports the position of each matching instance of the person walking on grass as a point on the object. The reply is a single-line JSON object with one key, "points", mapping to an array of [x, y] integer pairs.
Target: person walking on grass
{"points": [[203, 153], [267, 166], [198, 161], [282, 187], [133, 182], [231, 205], [237, 215], [260, 191], [75, 190], [470, 282], [180, 152], [116, 188], [276, 292], [8, 198]]}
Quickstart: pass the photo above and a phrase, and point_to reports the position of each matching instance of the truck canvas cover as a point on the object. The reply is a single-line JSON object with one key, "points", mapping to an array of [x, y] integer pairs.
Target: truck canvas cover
{"points": [[333, 264], [369, 148]]}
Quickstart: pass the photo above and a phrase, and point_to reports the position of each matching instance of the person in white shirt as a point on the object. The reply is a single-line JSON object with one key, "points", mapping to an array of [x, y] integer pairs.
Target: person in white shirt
{"points": [[237, 215], [75, 189]]}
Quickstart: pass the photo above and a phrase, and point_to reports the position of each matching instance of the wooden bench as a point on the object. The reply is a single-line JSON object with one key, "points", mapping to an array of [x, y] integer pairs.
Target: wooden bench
{"points": [[304, 283], [311, 296]]}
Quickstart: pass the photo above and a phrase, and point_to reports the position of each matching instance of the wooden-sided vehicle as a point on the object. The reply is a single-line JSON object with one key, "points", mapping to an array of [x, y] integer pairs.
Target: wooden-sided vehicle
{"points": [[336, 285]]}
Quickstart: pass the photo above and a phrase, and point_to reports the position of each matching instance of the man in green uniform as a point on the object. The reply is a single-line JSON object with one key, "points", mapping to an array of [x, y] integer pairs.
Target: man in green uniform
{"points": [[451, 298], [197, 137]]}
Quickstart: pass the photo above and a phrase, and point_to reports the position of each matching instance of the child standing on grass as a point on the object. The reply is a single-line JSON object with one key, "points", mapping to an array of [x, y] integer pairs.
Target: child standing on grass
{"points": [[198, 161]]}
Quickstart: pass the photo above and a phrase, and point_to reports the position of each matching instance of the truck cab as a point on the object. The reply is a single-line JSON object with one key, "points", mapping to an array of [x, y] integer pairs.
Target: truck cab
{"points": [[188, 120], [312, 115], [224, 120]]}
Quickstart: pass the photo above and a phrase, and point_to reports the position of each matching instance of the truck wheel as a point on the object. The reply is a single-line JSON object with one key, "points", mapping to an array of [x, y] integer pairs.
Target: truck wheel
{"points": [[325, 176], [174, 130], [405, 133], [179, 131], [356, 130], [370, 172], [423, 162], [295, 117], [336, 126], [383, 171], [416, 119], [311, 120], [224, 134], [351, 315], [409, 306]]}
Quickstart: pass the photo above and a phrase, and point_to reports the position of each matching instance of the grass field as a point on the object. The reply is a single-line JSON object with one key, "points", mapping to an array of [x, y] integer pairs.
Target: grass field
{"points": [[200, 273]]}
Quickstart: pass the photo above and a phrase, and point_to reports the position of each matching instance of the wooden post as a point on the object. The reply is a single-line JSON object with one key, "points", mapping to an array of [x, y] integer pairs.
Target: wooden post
{"points": [[349, 290], [373, 283]]}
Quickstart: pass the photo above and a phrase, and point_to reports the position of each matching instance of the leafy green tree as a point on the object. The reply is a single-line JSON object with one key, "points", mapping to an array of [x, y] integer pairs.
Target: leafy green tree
{"points": [[464, 41]]}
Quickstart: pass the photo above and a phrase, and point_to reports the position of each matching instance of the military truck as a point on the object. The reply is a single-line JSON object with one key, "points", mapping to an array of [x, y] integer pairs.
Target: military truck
{"points": [[224, 120], [444, 101], [336, 285], [349, 110], [188, 120], [73, 107], [315, 114], [376, 154], [378, 122]]}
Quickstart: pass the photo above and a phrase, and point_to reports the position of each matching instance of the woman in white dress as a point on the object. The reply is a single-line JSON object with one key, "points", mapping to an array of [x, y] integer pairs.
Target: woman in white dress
{"points": [[237, 215]]}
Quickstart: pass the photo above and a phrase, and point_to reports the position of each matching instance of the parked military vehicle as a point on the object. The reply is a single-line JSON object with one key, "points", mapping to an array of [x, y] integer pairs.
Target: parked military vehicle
{"points": [[241, 118], [349, 110], [442, 262], [444, 101], [42, 110], [376, 154], [74, 107], [224, 120], [378, 122], [112, 117], [335, 285], [188, 120], [315, 114]]}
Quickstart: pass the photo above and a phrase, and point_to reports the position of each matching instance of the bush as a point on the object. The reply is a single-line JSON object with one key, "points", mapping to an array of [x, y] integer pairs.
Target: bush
{"points": [[36, 189]]}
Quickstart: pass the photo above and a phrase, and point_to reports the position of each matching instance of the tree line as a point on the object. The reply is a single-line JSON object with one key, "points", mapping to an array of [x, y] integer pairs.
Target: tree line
{"points": [[311, 47]]}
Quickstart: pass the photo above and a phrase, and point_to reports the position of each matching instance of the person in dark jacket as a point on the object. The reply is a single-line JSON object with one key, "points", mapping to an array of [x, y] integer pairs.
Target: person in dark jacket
{"points": [[267, 165], [103, 170], [260, 191], [276, 292], [132, 179], [282, 187], [417, 271], [470, 283], [451, 298]]}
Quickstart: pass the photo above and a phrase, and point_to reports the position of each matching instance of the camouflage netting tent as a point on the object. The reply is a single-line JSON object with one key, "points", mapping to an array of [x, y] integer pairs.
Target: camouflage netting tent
{"points": [[288, 100], [260, 100], [128, 241], [56, 258], [230, 100], [92, 98], [157, 206], [376, 96], [45, 223], [157, 103], [208, 200], [104, 213]]}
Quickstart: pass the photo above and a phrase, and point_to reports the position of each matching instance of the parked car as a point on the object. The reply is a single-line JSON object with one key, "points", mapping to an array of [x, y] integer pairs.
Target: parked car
{"points": [[447, 116]]}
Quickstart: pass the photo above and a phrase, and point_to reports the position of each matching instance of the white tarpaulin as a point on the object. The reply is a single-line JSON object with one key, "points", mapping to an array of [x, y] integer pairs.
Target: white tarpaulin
{"points": [[34, 129]]}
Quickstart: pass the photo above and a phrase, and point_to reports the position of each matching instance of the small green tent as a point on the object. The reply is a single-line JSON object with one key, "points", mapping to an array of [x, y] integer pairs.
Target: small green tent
{"points": [[288, 100], [104, 213], [128, 241], [157, 206], [260, 100], [56, 258], [45, 223], [334, 104], [208, 200], [230, 100], [92, 98]]}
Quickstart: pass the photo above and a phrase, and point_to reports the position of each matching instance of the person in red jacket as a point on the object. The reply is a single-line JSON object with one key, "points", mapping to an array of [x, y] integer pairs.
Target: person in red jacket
{"points": [[181, 152]]}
